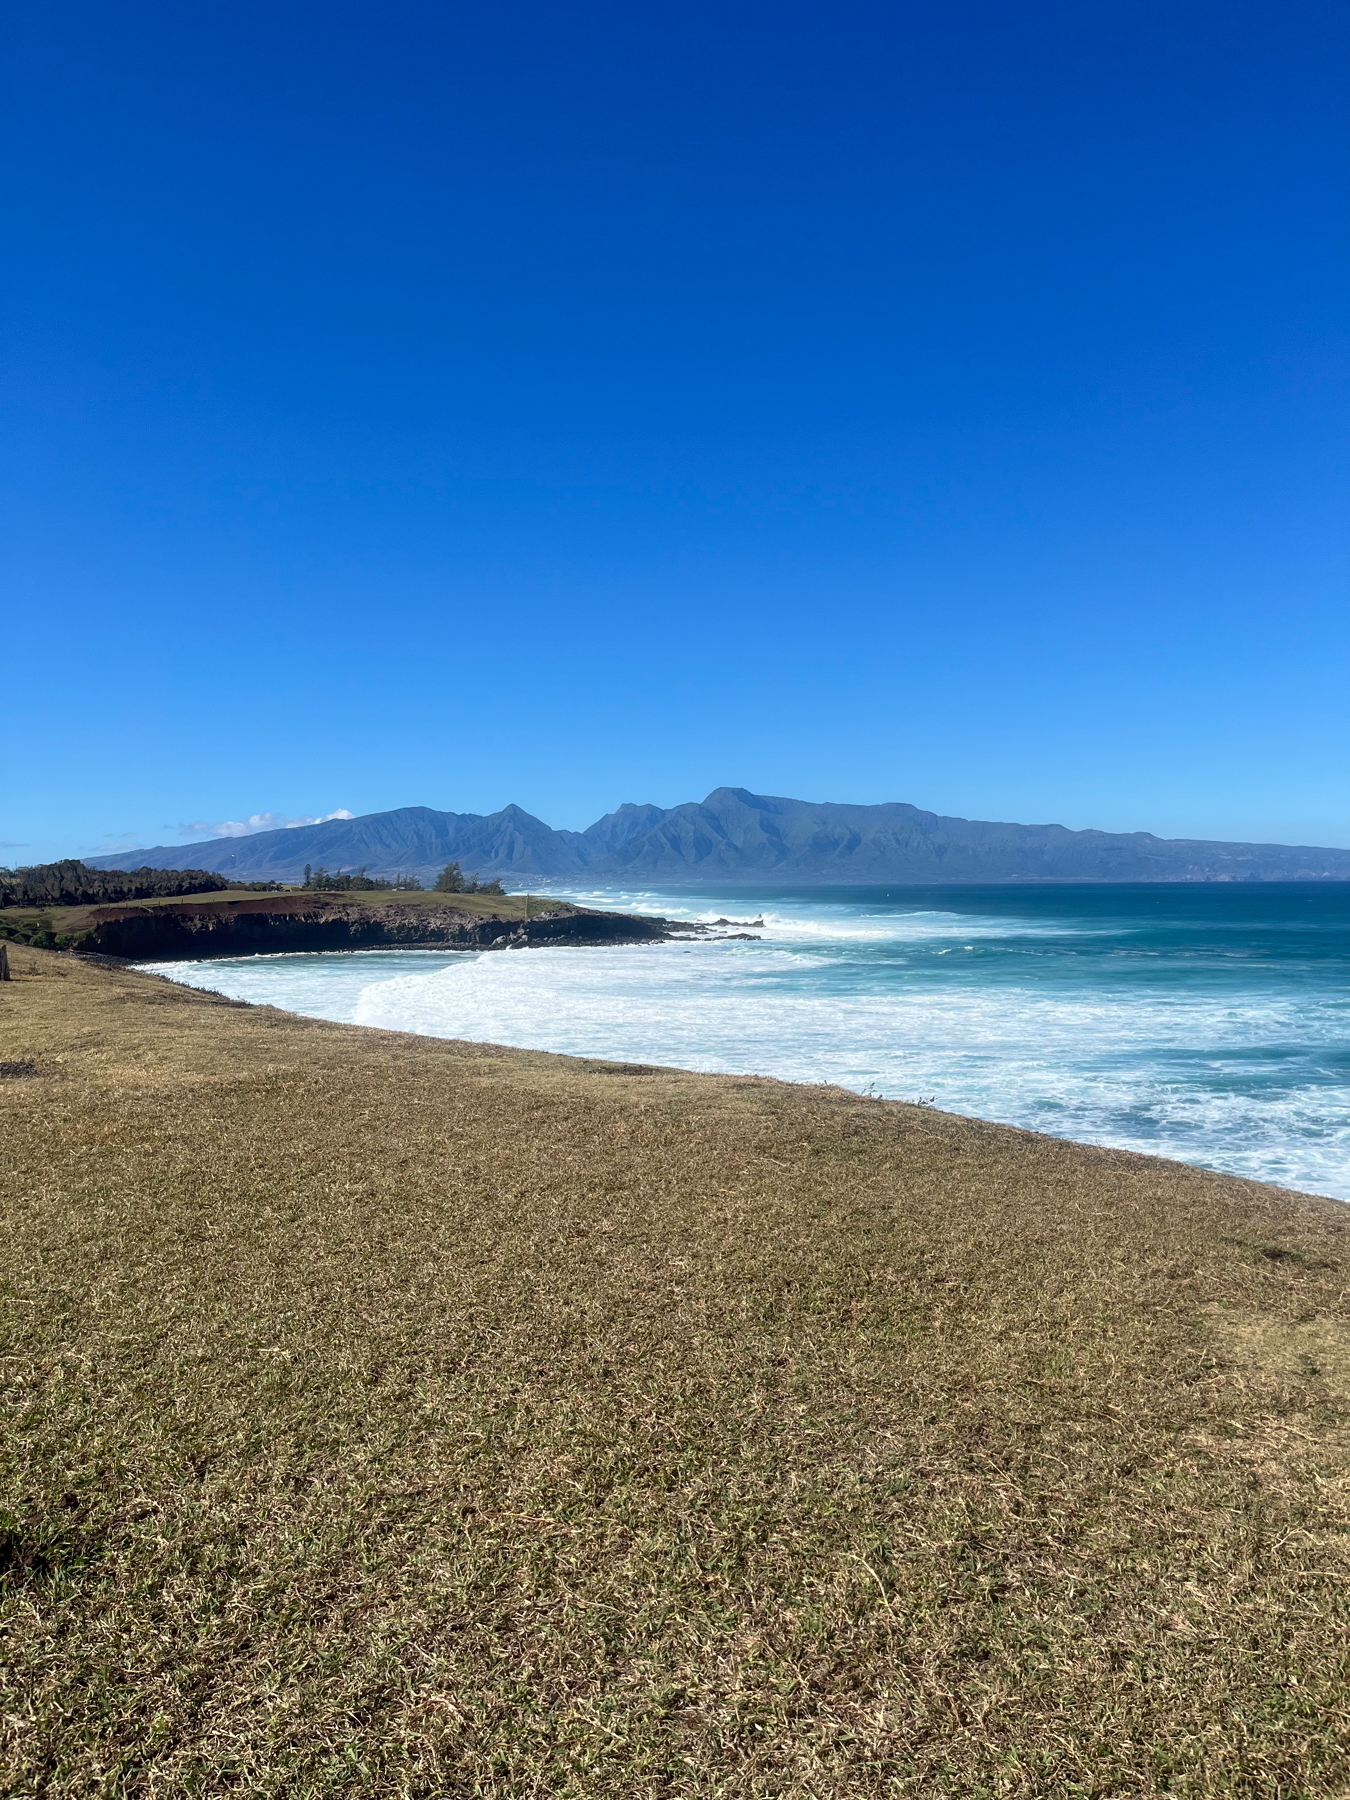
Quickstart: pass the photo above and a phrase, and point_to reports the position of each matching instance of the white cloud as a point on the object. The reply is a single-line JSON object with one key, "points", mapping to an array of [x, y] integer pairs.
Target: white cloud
{"points": [[264, 821]]}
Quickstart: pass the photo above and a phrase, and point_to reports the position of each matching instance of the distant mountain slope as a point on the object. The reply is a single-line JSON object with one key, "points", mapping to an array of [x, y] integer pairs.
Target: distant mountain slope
{"points": [[735, 835], [414, 840], [619, 828]]}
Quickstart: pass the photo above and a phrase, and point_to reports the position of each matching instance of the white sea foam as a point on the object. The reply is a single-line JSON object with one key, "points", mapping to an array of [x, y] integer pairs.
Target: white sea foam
{"points": [[1229, 1078], [1101, 1069], [820, 922]]}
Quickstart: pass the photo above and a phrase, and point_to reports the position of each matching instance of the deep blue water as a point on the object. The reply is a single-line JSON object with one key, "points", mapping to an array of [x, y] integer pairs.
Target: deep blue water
{"points": [[1208, 1023]]}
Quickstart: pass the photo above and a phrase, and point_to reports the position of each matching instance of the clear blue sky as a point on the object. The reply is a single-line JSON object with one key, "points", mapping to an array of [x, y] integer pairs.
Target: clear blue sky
{"points": [[575, 403]]}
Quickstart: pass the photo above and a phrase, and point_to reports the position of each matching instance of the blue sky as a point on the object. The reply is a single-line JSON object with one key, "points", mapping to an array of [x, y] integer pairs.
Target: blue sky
{"points": [[572, 404]]}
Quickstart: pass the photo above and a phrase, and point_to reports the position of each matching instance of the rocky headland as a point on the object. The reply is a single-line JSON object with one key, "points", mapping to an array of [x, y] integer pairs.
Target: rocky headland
{"points": [[260, 924]]}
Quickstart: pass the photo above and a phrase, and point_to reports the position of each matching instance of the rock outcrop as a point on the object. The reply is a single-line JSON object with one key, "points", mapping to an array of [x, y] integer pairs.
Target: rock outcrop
{"points": [[274, 922]]}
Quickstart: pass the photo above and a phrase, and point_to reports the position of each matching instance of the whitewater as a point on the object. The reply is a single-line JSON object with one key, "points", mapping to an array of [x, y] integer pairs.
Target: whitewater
{"points": [[1210, 1023]]}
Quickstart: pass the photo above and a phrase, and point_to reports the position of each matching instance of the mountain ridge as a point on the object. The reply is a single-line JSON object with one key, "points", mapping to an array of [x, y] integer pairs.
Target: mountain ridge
{"points": [[734, 835]]}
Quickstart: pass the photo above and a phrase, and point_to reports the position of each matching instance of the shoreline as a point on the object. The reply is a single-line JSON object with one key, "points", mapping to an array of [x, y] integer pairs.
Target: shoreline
{"points": [[228, 924], [492, 1045], [609, 1012]]}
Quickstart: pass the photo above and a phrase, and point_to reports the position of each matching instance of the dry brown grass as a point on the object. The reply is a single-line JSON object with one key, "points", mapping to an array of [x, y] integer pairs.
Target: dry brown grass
{"points": [[389, 1417]]}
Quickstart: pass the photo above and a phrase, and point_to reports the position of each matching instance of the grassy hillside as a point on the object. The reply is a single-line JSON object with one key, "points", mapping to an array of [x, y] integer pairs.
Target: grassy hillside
{"points": [[396, 1417]]}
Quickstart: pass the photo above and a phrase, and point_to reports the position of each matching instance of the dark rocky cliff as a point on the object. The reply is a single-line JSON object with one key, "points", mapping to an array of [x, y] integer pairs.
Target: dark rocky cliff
{"points": [[276, 922]]}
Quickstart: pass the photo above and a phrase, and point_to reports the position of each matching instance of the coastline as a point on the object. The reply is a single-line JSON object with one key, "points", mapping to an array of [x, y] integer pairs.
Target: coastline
{"points": [[229, 924], [705, 1429], [1206, 1029]]}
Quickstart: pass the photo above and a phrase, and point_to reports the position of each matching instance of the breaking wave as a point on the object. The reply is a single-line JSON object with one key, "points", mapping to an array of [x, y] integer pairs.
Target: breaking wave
{"points": [[1184, 1033]]}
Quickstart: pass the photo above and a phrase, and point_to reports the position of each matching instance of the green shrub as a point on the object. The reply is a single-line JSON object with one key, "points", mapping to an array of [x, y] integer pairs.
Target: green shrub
{"points": [[453, 880]]}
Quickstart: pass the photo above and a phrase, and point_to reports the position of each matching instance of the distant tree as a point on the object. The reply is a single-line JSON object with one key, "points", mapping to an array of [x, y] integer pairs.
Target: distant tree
{"points": [[453, 880], [305, 882], [345, 884], [407, 884]]}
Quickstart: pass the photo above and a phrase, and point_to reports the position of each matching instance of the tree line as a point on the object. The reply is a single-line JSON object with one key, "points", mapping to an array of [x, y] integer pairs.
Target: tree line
{"points": [[359, 882], [451, 880], [72, 883]]}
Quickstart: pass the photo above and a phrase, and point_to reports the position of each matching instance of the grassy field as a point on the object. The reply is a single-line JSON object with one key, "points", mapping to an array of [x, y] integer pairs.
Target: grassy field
{"points": [[392, 1417]]}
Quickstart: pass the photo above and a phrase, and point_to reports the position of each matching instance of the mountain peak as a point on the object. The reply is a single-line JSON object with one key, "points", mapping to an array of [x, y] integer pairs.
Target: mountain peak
{"points": [[735, 835]]}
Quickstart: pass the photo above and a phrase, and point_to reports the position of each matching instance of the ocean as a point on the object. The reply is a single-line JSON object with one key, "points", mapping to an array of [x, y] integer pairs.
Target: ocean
{"points": [[1207, 1023]]}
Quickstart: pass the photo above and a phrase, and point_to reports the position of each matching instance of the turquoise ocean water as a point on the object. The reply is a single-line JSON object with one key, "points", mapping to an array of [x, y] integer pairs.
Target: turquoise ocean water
{"points": [[1206, 1023]]}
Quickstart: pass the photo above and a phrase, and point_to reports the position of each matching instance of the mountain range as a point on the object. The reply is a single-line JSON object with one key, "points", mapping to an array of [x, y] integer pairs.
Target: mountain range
{"points": [[735, 836]]}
